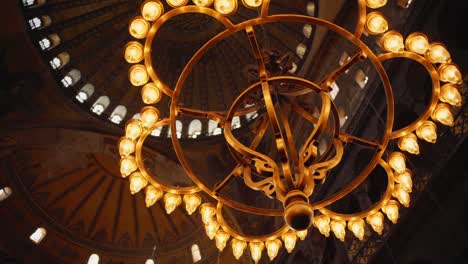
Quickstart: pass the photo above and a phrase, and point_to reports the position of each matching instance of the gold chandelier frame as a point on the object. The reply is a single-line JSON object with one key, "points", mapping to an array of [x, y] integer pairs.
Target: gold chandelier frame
{"points": [[292, 185]]}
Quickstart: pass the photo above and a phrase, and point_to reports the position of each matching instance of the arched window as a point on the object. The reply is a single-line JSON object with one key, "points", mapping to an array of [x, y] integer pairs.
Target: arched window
{"points": [[71, 78], [33, 3], [310, 8], [39, 22], [196, 254], [179, 127], [236, 123], [361, 78], [149, 261], [60, 60], [307, 30], [5, 192], [335, 90], [213, 128], [136, 116], [157, 131], [38, 235], [85, 93], [100, 105], [49, 42], [195, 128], [301, 50], [93, 259], [118, 115]]}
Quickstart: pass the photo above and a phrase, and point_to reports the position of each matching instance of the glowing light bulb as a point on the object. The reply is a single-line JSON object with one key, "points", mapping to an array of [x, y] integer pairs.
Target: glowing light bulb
{"points": [[289, 239], [375, 3], [437, 53], [221, 239], [256, 249], [152, 10], [152, 195], [252, 3], [450, 94], [376, 23], [127, 166], [409, 143], [339, 229], [443, 115], [322, 223], [126, 146], [418, 43], [273, 247], [225, 7], [391, 210], [393, 42], [357, 227], [133, 52], [133, 129], [375, 220], [207, 212], [150, 93], [301, 234], [137, 182], [177, 3], [192, 201], [238, 247], [427, 131], [149, 116], [139, 28], [450, 73], [171, 201], [203, 3], [211, 228], [138, 75], [404, 179], [397, 161], [402, 195]]}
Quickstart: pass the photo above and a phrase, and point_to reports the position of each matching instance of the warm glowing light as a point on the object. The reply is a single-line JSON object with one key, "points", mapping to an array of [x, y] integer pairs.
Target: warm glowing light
{"points": [[152, 10], [192, 201], [427, 131], [207, 212], [225, 7], [409, 143], [418, 43], [127, 166], [391, 210], [150, 93], [397, 161], [376, 23], [152, 195], [450, 73], [443, 115], [221, 239], [211, 228], [450, 94], [339, 229], [322, 223], [177, 3], [437, 53], [137, 182], [302, 234], [357, 227], [252, 3], [256, 249], [402, 195], [238, 247], [289, 239], [133, 129], [134, 52], [404, 179], [171, 201], [273, 247], [139, 28], [375, 220], [138, 75], [204, 3], [126, 146], [393, 42], [149, 116], [376, 3]]}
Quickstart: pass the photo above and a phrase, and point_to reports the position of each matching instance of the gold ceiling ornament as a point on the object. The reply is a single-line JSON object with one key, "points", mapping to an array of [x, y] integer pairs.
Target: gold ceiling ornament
{"points": [[291, 178]]}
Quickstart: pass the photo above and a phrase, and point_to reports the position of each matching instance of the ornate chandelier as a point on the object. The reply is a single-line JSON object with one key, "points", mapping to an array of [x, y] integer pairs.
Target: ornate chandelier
{"points": [[292, 174]]}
